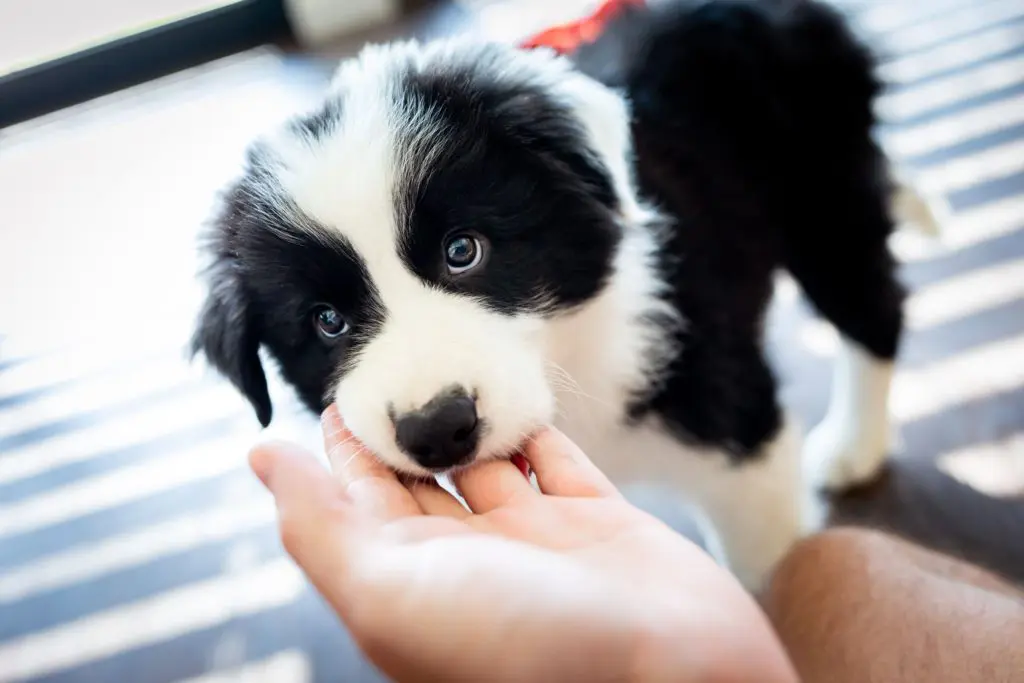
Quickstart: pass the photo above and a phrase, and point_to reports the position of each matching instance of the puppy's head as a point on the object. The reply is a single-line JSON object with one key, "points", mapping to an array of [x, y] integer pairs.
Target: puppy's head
{"points": [[405, 249]]}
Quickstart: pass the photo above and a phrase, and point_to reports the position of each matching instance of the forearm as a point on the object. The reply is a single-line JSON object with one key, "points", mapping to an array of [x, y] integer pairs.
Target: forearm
{"points": [[857, 606]]}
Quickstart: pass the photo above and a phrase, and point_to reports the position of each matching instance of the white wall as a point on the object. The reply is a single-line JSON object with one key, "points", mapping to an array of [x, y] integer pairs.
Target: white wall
{"points": [[317, 22]]}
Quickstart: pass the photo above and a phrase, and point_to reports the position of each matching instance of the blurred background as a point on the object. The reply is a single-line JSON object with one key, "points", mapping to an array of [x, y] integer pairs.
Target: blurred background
{"points": [[134, 543]]}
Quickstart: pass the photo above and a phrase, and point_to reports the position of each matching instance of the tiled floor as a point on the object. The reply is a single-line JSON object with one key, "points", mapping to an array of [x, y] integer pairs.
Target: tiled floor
{"points": [[135, 546]]}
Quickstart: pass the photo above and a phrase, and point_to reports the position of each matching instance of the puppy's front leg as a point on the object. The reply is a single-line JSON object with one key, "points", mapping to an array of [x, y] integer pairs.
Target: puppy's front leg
{"points": [[758, 507]]}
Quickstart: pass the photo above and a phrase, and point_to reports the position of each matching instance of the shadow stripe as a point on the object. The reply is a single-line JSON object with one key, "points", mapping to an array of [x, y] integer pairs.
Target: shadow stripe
{"points": [[1013, 48], [971, 146], [52, 608], [990, 252], [986, 192], [890, 41], [89, 417], [8, 363], [927, 15], [968, 423], [23, 548], [15, 400], [961, 106], [948, 339], [305, 624], [193, 436]]}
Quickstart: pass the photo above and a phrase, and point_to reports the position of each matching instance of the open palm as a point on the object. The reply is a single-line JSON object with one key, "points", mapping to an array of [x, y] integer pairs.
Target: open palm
{"points": [[567, 583]]}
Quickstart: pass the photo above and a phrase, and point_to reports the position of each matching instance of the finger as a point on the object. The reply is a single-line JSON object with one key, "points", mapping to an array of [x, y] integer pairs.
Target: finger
{"points": [[434, 500], [563, 469], [491, 485], [310, 503], [349, 459], [321, 527], [372, 485]]}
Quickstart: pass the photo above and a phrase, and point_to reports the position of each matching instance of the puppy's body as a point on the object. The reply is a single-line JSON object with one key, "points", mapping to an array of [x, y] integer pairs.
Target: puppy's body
{"points": [[626, 214]]}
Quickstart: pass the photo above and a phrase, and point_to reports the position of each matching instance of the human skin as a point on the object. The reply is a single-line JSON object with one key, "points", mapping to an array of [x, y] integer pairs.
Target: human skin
{"points": [[857, 606], [563, 584]]}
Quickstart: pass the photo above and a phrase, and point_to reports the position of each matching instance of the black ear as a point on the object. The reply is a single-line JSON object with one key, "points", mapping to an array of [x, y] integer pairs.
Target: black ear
{"points": [[229, 338]]}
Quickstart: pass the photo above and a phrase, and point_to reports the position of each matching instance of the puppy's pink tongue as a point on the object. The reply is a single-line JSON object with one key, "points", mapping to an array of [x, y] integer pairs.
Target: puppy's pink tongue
{"points": [[520, 461]]}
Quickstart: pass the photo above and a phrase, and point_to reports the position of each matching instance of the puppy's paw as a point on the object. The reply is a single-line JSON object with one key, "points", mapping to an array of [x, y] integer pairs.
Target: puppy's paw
{"points": [[838, 458]]}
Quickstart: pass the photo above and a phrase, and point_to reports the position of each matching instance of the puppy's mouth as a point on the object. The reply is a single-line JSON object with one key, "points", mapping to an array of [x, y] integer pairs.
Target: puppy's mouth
{"points": [[429, 466], [453, 431], [516, 458]]}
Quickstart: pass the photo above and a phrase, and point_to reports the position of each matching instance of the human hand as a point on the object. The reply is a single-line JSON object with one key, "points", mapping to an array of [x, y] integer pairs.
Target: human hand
{"points": [[572, 584]]}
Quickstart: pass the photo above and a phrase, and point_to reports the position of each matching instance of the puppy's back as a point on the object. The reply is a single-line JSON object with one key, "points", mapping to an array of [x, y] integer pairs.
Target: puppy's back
{"points": [[763, 78]]}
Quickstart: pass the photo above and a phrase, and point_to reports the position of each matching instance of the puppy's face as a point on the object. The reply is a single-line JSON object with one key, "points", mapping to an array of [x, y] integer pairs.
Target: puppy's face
{"points": [[404, 250]]}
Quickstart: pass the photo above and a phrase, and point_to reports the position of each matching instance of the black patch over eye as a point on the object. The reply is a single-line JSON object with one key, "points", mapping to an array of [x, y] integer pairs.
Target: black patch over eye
{"points": [[516, 174], [329, 323], [462, 253]]}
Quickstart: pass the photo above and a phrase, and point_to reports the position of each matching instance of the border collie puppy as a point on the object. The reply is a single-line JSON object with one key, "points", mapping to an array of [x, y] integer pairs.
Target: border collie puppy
{"points": [[467, 241]]}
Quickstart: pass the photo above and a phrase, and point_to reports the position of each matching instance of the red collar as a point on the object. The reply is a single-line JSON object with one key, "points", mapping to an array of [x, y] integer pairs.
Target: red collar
{"points": [[568, 37]]}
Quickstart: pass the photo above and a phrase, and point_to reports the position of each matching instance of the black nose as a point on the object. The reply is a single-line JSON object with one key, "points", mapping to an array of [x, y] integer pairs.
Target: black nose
{"points": [[443, 433]]}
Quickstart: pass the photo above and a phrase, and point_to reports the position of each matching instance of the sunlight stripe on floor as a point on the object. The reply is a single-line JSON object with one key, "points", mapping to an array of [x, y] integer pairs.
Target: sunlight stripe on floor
{"points": [[920, 392], [103, 391], [952, 24], [290, 666], [123, 486], [968, 171], [45, 368], [995, 468], [961, 230], [132, 427], [981, 371], [952, 89], [956, 53], [92, 559], [163, 617], [956, 128], [986, 222], [888, 16], [965, 294]]}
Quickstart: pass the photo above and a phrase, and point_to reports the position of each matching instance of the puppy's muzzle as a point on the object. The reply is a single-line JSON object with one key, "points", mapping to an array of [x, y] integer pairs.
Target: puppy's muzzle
{"points": [[442, 434]]}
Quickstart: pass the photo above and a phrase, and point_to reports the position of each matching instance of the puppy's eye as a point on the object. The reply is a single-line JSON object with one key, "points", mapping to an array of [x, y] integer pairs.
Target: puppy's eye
{"points": [[329, 322], [462, 252]]}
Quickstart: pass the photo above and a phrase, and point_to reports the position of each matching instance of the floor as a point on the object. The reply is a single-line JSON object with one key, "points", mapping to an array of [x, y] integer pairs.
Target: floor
{"points": [[134, 544]]}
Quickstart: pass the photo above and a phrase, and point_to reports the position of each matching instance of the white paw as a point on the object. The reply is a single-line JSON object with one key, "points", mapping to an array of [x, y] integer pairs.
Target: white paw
{"points": [[816, 510], [838, 459]]}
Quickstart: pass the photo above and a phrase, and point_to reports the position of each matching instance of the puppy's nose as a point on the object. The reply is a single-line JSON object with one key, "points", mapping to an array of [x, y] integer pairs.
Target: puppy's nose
{"points": [[443, 433]]}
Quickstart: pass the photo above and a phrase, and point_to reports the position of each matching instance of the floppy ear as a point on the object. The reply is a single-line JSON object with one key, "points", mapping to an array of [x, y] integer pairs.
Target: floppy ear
{"points": [[228, 336]]}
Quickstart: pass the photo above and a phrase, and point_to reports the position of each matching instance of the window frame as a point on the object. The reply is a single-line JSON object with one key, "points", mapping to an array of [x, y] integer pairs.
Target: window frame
{"points": [[140, 57]]}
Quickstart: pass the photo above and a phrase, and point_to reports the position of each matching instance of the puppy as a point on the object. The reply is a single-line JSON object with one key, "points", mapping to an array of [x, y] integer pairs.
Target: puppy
{"points": [[467, 241]]}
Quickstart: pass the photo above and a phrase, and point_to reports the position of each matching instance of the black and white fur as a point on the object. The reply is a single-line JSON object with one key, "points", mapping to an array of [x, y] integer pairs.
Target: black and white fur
{"points": [[633, 203]]}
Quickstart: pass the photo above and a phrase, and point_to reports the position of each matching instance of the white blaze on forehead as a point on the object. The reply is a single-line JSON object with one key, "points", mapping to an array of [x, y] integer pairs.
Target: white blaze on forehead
{"points": [[348, 180], [355, 179], [345, 180]]}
